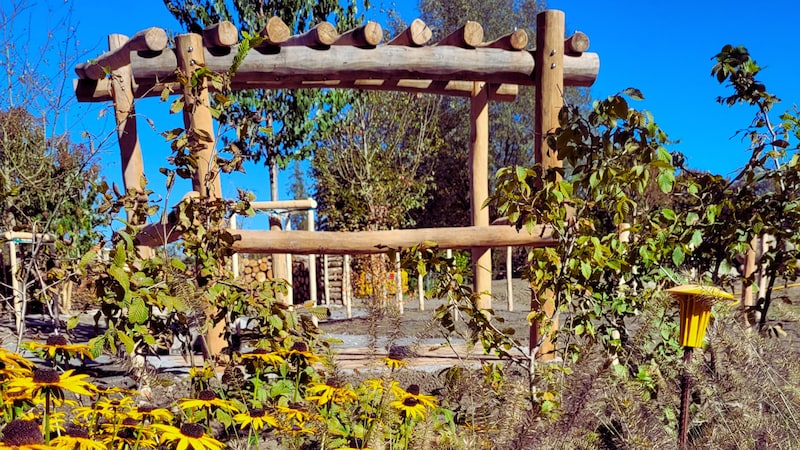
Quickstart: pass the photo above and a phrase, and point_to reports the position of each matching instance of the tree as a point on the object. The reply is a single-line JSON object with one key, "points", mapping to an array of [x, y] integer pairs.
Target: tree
{"points": [[49, 184], [369, 169], [298, 190], [511, 139], [272, 125]]}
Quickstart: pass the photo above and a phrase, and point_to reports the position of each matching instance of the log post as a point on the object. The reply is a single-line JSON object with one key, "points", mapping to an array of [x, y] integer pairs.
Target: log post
{"points": [[280, 269], [748, 300], [127, 136], [235, 257], [197, 118], [479, 189], [549, 82], [200, 128], [509, 278], [346, 286], [420, 292], [326, 280], [312, 262], [398, 283]]}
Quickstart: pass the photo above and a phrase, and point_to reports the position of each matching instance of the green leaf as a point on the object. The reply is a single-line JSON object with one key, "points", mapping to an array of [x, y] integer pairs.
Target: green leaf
{"points": [[678, 256], [138, 312], [668, 214], [586, 270], [127, 341]]}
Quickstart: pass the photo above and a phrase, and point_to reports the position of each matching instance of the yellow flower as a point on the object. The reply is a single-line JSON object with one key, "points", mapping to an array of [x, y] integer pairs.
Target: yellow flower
{"points": [[58, 346], [413, 404], [107, 408], [297, 429], [77, 439], [295, 414], [207, 400], [256, 418], [300, 354], [393, 363], [323, 393], [427, 401], [50, 381], [131, 432], [188, 436], [151, 413], [13, 365], [410, 407], [258, 354]]}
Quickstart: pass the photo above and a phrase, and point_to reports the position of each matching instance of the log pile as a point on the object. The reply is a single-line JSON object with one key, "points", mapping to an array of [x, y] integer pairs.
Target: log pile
{"points": [[258, 268]]}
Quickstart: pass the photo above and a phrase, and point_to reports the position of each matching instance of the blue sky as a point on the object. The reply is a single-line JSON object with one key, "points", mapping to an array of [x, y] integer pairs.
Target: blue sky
{"points": [[662, 48]]}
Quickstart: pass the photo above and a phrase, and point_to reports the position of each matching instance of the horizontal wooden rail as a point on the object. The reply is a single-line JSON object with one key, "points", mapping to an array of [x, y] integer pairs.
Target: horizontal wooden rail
{"points": [[151, 39], [100, 90], [363, 242], [385, 62]]}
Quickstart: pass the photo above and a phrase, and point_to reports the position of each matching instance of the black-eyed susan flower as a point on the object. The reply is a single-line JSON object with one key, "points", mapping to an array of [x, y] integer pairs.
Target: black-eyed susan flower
{"points": [[190, 436], [413, 404], [409, 407], [299, 354], [323, 394], [297, 430], [50, 382], [393, 363], [293, 413], [58, 349], [427, 401], [77, 438], [207, 400], [150, 414], [129, 433], [12, 361], [23, 435], [255, 418], [261, 355]]}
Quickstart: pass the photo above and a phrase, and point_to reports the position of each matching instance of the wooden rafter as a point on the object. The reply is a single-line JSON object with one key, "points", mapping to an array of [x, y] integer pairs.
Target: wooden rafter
{"points": [[321, 57]]}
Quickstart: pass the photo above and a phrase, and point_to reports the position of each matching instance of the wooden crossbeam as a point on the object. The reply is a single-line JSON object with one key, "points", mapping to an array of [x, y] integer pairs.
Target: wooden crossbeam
{"points": [[364, 242], [99, 90], [385, 62], [151, 39]]}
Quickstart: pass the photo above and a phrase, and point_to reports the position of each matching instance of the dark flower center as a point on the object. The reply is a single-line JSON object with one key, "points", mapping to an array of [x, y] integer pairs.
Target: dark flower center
{"points": [[146, 409], [192, 430], [300, 347], [57, 339], [46, 376], [77, 432], [410, 402], [207, 395], [130, 422], [22, 432], [413, 389], [259, 351], [256, 412]]}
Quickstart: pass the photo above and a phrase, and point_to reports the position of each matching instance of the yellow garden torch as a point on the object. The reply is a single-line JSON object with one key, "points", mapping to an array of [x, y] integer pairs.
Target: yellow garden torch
{"points": [[695, 311]]}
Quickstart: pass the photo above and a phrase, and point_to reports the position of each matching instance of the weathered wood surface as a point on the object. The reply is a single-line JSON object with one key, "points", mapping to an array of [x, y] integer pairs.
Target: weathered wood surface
{"points": [[550, 84], [368, 35], [470, 35], [479, 190], [323, 34], [576, 44], [385, 62], [368, 242], [516, 40], [98, 91], [151, 39], [416, 35], [223, 34]]}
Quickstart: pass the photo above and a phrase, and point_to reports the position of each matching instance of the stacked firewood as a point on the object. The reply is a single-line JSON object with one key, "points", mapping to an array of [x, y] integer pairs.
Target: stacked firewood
{"points": [[259, 268]]}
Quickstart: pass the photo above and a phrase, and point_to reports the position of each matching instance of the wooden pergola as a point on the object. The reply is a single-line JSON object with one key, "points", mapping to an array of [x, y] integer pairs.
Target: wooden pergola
{"points": [[461, 64]]}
